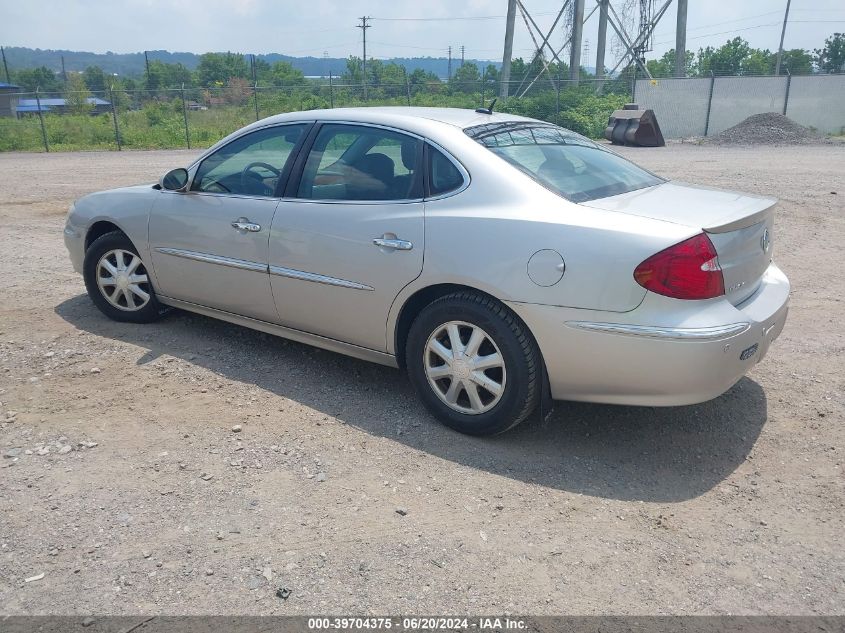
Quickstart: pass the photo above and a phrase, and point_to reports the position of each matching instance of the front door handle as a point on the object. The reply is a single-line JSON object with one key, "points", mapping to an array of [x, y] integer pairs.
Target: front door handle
{"points": [[393, 243], [243, 224]]}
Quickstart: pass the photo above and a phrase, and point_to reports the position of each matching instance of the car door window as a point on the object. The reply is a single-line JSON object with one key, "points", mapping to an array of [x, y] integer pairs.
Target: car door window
{"points": [[250, 165], [351, 162]]}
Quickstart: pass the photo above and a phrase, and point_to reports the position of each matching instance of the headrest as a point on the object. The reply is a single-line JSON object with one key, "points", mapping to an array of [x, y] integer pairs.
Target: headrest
{"points": [[409, 154]]}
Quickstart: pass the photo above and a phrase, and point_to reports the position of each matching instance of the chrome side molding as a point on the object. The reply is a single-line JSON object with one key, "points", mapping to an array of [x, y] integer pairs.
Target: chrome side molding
{"points": [[263, 268], [320, 279], [654, 331], [214, 259]]}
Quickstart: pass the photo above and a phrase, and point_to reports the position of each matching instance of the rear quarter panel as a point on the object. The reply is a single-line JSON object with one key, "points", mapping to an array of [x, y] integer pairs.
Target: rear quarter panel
{"points": [[484, 236]]}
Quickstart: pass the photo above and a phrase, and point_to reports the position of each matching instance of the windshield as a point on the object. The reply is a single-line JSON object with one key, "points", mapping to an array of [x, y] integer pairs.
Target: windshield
{"points": [[567, 163]]}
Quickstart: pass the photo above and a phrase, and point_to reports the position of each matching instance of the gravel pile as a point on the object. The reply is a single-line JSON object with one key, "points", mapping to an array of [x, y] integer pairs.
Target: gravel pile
{"points": [[768, 128]]}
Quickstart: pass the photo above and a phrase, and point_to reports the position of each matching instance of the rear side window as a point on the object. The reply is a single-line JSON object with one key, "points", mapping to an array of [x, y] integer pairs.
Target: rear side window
{"points": [[567, 163], [352, 162], [443, 175]]}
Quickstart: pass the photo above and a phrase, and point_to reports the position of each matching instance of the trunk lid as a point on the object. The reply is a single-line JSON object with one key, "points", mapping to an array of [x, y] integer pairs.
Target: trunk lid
{"points": [[739, 225]]}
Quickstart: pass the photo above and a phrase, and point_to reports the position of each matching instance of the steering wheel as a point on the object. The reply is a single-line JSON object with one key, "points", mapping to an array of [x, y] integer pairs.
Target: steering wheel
{"points": [[249, 179]]}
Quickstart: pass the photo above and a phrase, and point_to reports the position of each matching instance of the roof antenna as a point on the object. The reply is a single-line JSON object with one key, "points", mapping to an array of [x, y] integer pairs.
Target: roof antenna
{"points": [[488, 109]]}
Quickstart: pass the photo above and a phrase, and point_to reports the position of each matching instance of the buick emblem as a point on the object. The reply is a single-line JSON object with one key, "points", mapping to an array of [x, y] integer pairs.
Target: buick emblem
{"points": [[765, 241]]}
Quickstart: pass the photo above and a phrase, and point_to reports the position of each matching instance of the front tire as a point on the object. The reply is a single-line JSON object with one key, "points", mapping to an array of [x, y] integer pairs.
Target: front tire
{"points": [[474, 365], [117, 280]]}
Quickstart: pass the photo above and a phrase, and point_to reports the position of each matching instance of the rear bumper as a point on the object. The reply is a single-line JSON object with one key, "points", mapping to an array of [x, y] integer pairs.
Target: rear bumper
{"points": [[664, 353]]}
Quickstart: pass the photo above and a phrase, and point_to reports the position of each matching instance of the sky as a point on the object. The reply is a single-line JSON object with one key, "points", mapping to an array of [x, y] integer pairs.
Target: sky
{"points": [[400, 28]]}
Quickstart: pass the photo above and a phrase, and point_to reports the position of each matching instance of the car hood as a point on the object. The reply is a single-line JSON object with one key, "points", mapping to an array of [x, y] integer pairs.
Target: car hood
{"points": [[713, 210]]}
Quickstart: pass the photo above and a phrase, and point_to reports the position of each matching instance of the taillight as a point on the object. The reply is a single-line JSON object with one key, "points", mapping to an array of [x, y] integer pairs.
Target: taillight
{"points": [[687, 270]]}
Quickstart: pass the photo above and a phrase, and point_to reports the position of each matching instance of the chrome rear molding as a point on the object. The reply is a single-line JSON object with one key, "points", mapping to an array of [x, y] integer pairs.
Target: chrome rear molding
{"points": [[673, 333], [320, 279], [214, 259]]}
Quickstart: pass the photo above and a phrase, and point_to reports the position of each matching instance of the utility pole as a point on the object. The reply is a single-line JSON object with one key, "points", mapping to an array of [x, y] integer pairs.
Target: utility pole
{"points": [[254, 85], [64, 72], [463, 50], [449, 68], [364, 26], [5, 65], [147, 65], [602, 43], [577, 31], [681, 40], [508, 52], [782, 33]]}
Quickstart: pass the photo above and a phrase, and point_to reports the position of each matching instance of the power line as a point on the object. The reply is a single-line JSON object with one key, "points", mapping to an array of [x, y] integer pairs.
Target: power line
{"points": [[456, 18]]}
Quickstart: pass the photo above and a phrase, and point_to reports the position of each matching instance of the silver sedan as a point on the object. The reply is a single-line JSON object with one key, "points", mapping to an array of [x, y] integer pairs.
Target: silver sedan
{"points": [[501, 261]]}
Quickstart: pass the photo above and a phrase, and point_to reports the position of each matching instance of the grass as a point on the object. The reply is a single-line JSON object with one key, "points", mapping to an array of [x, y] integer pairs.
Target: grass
{"points": [[161, 124]]}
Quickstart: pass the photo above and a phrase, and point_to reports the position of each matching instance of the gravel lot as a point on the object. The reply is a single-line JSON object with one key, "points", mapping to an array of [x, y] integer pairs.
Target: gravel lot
{"points": [[733, 506]]}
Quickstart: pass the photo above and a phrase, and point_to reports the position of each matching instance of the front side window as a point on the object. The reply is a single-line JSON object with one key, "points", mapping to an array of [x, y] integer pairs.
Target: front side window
{"points": [[352, 162], [250, 165], [567, 163]]}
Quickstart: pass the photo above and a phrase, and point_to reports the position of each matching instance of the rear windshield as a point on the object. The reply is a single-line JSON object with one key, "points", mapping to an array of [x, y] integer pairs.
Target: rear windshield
{"points": [[567, 163]]}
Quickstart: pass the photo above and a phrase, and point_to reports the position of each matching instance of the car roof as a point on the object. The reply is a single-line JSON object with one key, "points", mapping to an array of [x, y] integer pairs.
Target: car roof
{"points": [[438, 124], [403, 116]]}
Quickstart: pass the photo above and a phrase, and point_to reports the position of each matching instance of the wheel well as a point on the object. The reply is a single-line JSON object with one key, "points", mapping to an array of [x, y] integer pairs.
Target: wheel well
{"points": [[414, 305], [98, 229]]}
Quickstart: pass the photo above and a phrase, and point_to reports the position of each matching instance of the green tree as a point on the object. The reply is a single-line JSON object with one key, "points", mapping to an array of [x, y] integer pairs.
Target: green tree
{"points": [[466, 78], [354, 72], [283, 74], [77, 95], [758, 62], [43, 78], [116, 92], [424, 82], [95, 79], [215, 69], [665, 66], [831, 58], [162, 75], [797, 61], [725, 60]]}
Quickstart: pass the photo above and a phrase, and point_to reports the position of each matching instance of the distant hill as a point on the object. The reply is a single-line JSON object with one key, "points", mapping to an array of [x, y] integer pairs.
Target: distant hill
{"points": [[132, 64]]}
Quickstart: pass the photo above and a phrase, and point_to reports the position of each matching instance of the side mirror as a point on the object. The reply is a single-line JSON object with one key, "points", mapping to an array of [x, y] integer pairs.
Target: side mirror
{"points": [[175, 180]]}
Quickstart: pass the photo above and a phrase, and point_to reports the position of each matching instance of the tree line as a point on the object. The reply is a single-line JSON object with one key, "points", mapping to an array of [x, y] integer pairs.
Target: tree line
{"points": [[737, 57], [231, 76]]}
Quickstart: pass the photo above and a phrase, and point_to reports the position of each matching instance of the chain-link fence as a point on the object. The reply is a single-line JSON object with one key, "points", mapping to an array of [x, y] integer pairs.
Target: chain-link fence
{"points": [[196, 118], [704, 106]]}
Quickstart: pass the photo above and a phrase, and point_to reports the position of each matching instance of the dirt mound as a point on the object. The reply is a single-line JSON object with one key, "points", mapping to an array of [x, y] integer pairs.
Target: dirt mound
{"points": [[768, 128]]}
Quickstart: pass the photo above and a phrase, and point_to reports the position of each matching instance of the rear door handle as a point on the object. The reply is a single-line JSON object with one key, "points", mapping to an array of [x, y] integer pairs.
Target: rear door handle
{"points": [[243, 224], [393, 243]]}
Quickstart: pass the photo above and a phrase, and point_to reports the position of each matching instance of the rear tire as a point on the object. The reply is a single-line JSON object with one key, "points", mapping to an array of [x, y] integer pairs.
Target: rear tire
{"points": [[474, 364], [117, 280]]}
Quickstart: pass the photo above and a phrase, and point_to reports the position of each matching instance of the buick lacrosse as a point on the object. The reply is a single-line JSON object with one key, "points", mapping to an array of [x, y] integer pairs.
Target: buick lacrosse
{"points": [[499, 260]]}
